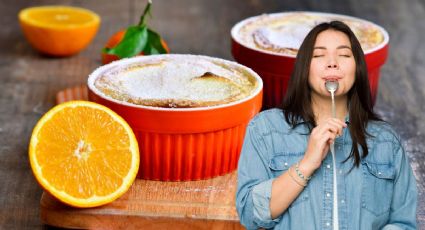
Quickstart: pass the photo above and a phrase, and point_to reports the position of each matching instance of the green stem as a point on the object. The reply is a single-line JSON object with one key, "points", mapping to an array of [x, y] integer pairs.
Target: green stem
{"points": [[146, 12]]}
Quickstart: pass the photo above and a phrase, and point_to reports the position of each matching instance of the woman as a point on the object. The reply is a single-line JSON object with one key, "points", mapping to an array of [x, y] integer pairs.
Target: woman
{"points": [[285, 172]]}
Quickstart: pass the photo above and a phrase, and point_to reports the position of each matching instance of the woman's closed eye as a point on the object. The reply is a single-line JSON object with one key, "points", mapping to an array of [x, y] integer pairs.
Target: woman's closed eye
{"points": [[345, 55]]}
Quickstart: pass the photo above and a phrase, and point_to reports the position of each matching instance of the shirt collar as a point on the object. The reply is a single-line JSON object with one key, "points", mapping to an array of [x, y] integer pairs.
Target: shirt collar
{"points": [[347, 119]]}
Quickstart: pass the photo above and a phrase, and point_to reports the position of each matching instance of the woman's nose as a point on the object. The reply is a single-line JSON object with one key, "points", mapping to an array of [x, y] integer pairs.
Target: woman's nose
{"points": [[332, 64]]}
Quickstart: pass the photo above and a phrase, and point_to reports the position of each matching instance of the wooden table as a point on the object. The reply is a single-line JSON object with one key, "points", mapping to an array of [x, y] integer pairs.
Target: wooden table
{"points": [[29, 81]]}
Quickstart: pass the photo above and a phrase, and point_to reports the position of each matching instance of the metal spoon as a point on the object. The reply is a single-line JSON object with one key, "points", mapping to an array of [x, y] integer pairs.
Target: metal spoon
{"points": [[332, 86]]}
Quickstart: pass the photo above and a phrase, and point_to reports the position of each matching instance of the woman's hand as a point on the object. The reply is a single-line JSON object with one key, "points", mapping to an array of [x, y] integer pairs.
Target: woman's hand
{"points": [[318, 144]]}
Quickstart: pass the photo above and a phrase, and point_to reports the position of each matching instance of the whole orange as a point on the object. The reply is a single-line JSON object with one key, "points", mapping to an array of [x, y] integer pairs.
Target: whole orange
{"points": [[114, 40]]}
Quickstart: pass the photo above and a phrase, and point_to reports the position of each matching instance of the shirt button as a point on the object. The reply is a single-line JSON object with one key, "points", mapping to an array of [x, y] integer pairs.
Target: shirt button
{"points": [[328, 166], [328, 194], [379, 173], [340, 171], [342, 201], [286, 163], [328, 224]]}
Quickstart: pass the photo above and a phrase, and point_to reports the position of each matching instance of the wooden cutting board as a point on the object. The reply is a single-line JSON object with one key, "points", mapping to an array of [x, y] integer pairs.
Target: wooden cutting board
{"points": [[203, 204]]}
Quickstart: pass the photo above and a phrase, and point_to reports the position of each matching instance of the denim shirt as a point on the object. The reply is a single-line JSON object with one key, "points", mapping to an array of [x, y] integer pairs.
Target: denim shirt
{"points": [[379, 194]]}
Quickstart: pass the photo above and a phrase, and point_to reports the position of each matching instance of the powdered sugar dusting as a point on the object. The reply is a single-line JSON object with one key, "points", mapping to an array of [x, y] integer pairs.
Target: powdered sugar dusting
{"points": [[285, 36], [177, 81], [283, 33]]}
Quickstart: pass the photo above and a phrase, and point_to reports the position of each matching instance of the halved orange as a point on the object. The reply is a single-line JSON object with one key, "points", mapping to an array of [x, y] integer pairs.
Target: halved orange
{"points": [[84, 154], [59, 30]]}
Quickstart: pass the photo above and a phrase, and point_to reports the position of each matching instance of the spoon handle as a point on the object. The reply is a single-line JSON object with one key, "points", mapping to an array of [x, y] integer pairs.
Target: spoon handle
{"points": [[335, 189], [333, 105]]}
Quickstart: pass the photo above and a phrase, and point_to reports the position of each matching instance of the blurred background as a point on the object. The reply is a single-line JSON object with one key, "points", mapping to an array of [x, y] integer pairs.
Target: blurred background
{"points": [[29, 81]]}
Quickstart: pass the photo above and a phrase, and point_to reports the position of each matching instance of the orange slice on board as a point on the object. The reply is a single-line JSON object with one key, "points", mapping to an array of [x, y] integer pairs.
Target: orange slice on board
{"points": [[84, 154]]}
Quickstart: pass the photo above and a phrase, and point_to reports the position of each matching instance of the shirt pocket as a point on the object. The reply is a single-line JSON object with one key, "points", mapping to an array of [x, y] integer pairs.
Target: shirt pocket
{"points": [[280, 163], [377, 189]]}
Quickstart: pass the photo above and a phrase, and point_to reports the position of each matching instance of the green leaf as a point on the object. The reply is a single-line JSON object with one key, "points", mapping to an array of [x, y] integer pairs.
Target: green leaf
{"points": [[137, 39], [134, 41], [154, 45]]}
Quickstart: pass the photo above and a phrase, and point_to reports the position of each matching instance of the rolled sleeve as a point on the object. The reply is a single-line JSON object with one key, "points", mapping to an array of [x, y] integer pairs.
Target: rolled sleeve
{"points": [[261, 195]]}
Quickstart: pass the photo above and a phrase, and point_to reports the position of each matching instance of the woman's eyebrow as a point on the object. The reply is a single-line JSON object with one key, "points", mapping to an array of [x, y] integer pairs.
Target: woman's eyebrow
{"points": [[344, 47], [339, 47]]}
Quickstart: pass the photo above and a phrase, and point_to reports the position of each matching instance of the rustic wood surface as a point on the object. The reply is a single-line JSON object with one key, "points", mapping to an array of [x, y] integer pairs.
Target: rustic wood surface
{"points": [[29, 81]]}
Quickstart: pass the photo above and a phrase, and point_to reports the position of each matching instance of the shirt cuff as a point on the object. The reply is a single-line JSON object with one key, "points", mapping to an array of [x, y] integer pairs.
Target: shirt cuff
{"points": [[391, 227], [261, 194]]}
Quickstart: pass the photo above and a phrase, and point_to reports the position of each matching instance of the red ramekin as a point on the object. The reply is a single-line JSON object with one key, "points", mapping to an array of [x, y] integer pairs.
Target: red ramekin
{"points": [[275, 69], [180, 144]]}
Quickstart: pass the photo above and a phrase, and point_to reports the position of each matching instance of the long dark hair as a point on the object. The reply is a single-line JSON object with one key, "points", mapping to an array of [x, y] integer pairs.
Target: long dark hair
{"points": [[297, 101]]}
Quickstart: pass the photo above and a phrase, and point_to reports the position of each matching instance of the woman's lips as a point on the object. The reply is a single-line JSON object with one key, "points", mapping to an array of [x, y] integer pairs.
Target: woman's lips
{"points": [[332, 78]]}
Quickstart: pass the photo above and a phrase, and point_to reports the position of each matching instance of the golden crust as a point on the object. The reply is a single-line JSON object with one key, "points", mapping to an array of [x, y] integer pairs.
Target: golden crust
{"points": [[222, 89]]}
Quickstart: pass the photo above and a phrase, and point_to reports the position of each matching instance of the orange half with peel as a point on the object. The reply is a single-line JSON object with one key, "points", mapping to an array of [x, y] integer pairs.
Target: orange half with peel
{"points": [[59, 30], [84, 154]]}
